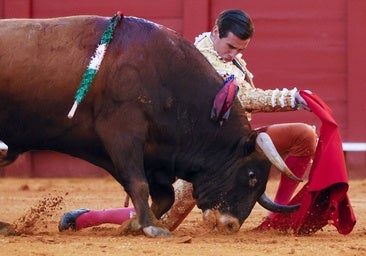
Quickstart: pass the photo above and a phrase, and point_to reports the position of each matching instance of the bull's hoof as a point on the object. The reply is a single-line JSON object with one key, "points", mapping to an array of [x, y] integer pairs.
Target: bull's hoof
{"points": [[130, 227], [133, 227], [4, 228], [7, 229], [153, 231]]}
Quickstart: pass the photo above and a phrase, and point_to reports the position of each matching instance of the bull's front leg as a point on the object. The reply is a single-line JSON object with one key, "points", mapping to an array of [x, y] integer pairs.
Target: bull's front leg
{"points": [[145, 220], [124, 145], [130, 173]]}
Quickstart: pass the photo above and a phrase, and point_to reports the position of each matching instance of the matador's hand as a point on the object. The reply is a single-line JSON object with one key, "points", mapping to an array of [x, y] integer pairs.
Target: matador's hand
{"points": [[300, 102]]}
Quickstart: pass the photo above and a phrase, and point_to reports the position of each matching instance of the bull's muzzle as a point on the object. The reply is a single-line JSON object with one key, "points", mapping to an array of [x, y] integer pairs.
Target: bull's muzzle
{"points": [[224, 223]]}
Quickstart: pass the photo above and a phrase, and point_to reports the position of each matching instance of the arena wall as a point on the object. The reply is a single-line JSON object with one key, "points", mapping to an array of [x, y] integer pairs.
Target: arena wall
{"points": [[315, 45]]}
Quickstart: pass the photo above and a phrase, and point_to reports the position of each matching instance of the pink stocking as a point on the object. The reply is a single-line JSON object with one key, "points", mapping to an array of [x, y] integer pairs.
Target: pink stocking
{"points": [[182, 206], [97, 217], [298, 165]]}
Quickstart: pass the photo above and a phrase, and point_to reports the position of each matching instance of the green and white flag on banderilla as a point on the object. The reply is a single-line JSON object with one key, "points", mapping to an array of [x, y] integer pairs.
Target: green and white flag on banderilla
{"points": [[95, 62]]}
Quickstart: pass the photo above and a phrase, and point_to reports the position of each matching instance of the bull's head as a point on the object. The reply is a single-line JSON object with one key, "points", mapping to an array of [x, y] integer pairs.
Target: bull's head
{"points": [[228, 197]]}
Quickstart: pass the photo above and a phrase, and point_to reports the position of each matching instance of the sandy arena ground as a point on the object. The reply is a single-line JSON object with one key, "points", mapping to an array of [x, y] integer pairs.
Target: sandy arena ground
{"points": [[36, 205]]}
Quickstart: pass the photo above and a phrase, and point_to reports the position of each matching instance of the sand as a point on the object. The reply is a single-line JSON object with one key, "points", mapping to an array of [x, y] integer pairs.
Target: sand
{"points": [[34, 207]]}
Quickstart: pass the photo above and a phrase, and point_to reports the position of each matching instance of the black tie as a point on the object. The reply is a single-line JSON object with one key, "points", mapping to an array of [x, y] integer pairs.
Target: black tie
{"points": [[236, 63]]}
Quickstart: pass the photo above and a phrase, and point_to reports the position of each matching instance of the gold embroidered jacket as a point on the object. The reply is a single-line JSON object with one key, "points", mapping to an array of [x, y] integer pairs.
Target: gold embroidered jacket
{"points": [[251, 98]]}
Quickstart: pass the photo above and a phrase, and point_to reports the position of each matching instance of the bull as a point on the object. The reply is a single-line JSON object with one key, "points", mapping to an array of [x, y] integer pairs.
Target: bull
{"points": [[146, 119]]}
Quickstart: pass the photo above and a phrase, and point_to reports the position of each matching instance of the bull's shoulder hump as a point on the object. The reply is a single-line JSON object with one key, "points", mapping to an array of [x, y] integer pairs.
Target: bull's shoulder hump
{"points": [[144, 22]]}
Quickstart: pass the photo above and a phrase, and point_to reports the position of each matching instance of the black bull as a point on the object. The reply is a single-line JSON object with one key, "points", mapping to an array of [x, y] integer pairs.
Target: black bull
{"points": [[146, 119]]}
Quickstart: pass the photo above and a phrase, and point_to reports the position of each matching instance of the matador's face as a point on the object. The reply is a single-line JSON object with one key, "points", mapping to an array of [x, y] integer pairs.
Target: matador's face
{"points": [[228, 47]]}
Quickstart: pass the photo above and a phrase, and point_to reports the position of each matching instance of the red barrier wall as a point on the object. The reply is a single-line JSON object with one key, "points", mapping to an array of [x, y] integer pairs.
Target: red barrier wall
{"points": [[316, 45]]}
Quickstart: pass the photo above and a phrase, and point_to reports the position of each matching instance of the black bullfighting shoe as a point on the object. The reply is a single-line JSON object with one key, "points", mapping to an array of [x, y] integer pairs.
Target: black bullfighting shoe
{"points": [[68, 220]]}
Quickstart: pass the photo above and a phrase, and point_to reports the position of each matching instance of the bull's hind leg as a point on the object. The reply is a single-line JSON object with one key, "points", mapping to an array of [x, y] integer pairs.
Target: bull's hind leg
{"points": [[123, 142], [161, 191], [162, 199]]}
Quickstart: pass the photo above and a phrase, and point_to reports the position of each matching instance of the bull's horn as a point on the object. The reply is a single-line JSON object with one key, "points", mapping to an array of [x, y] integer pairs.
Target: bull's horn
{"points": [[265, 143], [268, 204]]}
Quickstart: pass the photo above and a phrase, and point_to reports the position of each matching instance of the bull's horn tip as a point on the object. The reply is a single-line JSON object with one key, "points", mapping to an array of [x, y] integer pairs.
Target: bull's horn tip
{"points": [[292, 176], [297, 179]]}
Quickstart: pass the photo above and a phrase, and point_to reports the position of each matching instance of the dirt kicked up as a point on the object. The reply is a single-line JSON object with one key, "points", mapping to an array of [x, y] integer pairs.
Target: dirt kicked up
{"points": [[34, 206]]}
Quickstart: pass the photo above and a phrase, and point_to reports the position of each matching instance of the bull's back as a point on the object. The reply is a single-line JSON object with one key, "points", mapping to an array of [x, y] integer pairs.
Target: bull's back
{"points": [[51, 52], [41, 66]]}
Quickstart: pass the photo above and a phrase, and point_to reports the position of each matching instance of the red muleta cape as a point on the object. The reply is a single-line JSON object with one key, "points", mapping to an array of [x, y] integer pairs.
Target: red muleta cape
{"points": [[323, 198]]}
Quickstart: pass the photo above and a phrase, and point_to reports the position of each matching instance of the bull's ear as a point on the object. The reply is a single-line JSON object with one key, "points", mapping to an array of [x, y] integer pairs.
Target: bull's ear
{"points": [[248, 143]]}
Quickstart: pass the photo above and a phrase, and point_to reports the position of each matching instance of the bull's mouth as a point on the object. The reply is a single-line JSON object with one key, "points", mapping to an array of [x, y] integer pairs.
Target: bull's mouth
{"points": [[224, 223]]}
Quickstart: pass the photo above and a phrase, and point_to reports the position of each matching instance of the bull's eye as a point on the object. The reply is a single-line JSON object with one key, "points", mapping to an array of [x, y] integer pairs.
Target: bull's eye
{"points": [[252, 179]]}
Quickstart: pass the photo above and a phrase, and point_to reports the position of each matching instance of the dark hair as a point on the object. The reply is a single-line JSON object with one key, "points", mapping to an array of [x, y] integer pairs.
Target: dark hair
{"points": [[235, 21]]}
